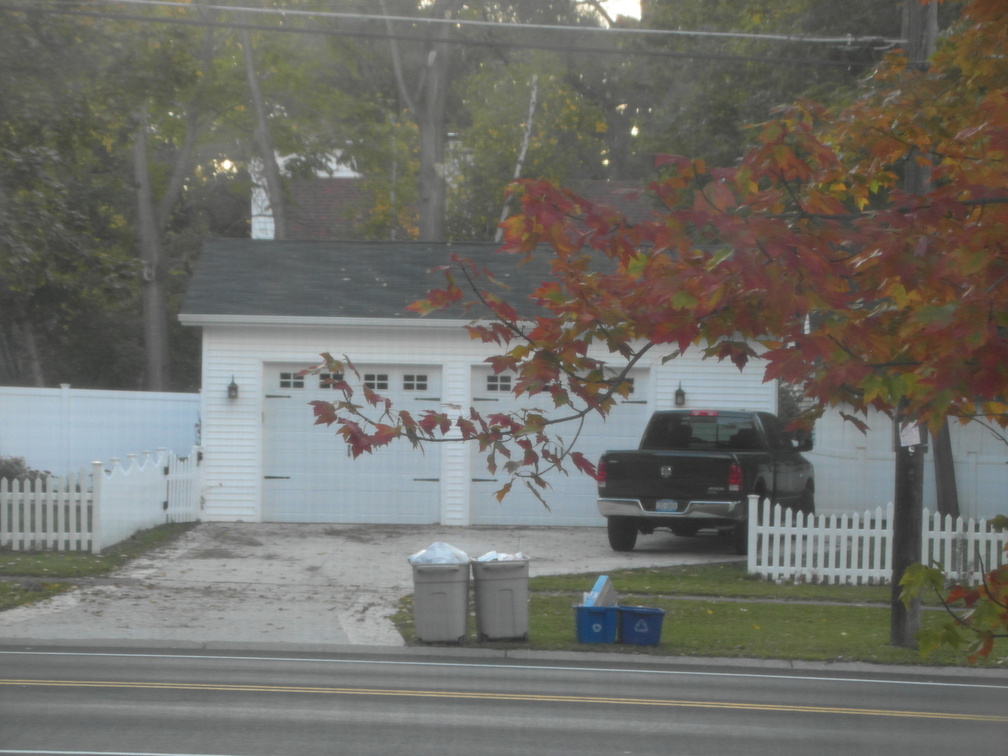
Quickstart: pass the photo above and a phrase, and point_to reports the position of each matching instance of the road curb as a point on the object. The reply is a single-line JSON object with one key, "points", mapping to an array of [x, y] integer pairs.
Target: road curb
{"points": [[447, 655]]}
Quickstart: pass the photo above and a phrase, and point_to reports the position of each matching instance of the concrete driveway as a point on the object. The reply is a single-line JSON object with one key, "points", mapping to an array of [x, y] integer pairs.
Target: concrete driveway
{"points": [[311, 586]]}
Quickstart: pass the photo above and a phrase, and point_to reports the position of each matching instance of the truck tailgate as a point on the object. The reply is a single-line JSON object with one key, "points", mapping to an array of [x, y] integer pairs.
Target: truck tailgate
{"points": [[651, 475]]}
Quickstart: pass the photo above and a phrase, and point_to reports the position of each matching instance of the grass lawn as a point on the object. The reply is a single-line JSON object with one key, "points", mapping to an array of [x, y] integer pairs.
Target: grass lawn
{"points": [[18, 594], [720, 611]]}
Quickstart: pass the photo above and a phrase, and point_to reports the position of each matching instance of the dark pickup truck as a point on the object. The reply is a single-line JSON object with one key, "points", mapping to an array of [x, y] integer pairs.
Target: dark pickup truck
{"points": [[695, 469]]}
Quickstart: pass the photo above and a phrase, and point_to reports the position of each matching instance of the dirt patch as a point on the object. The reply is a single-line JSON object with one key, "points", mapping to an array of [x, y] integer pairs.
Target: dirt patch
{"points": [[214, 553], [364, 533], [232, 538]]}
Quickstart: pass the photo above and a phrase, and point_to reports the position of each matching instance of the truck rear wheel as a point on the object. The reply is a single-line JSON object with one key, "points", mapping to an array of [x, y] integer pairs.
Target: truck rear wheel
{"points": [[740, 538], [807, 504], [622, 533], [740, 535]]}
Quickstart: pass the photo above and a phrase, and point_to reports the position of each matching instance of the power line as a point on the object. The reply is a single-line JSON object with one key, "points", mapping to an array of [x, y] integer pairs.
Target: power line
{"points": [[58, 9], [463, 23]]}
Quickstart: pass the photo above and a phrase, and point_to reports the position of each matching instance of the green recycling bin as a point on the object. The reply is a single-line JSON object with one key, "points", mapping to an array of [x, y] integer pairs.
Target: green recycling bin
{"points": [[440, 602], [501, 589]]}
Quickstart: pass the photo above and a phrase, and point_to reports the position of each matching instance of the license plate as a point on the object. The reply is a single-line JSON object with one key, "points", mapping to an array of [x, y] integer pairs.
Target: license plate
{"points": [[666, 505]]}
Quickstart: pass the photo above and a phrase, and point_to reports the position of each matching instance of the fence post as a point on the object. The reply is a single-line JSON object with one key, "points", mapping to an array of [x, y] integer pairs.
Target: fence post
{"points": [[97, 476], [753, 540], [6, 504]]}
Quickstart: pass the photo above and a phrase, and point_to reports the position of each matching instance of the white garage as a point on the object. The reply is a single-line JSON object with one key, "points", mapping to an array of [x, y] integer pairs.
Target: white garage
{"points": [[268, 309]]}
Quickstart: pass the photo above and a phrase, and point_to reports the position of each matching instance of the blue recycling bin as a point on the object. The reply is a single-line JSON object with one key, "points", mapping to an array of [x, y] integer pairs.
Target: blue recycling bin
{"points": [[596, 624], [640, 625]]}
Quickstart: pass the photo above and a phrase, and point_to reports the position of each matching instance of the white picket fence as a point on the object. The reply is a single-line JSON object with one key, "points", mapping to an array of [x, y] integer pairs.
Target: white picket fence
{"points": [[90, 511], [856, 548]]}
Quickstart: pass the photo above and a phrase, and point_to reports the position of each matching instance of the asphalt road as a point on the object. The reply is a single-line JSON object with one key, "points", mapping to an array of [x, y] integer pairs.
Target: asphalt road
{"points": [[87, 701]]}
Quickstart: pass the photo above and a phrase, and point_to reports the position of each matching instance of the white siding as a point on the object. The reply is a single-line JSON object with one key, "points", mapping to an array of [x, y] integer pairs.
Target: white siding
{"points": [[855, 471], [232, 427], [715, 385]]}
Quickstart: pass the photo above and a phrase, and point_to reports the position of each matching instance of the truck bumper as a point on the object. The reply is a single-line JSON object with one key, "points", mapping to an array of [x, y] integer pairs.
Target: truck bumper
{"points": [[732, 511]]}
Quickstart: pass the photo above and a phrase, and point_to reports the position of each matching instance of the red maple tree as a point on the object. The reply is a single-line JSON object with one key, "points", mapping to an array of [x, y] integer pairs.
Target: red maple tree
{"points": [[806, 256]]}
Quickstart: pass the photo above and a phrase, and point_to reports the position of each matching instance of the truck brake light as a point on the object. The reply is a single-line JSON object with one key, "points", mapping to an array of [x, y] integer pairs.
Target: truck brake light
{"points": [[735, 477], [600, 474], [704, 413]]}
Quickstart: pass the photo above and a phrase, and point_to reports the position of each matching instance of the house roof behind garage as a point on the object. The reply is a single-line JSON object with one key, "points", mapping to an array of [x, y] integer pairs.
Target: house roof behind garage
{"points": [[337, 279]]}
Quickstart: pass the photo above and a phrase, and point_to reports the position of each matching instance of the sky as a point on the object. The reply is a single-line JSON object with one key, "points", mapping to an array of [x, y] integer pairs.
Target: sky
{"points": [[626, 7]]}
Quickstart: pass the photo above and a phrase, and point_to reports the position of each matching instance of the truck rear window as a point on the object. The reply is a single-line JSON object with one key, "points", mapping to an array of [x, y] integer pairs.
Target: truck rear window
{"points": [[701, 433]]}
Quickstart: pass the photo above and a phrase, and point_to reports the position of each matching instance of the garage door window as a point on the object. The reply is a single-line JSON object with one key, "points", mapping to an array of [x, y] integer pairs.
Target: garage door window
{"points": [[291, 381], [329, 380], [376, 381], [498, 383], [414, 382]]}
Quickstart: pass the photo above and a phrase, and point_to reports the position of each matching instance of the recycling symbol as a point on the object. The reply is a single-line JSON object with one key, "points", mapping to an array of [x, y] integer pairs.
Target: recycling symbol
{"points": [[641, 626]]}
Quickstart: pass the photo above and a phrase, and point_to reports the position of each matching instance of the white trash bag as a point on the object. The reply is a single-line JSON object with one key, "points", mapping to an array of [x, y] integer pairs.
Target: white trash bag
{"points": [[496, 556], [439, 553]]}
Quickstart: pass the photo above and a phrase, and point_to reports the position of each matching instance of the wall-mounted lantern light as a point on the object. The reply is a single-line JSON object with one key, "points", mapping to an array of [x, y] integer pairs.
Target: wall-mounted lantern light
{"points": [[232, 389], [680, 396]]}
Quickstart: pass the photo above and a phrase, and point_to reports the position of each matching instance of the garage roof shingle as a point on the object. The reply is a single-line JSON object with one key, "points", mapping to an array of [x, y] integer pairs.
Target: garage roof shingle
{"points": [[336, 279]]}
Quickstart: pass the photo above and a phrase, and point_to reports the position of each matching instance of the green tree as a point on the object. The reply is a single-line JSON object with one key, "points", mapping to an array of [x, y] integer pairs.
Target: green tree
{"points": [[106, 125], [431, 92], [566, 141], [63, 242], [701, 101]]}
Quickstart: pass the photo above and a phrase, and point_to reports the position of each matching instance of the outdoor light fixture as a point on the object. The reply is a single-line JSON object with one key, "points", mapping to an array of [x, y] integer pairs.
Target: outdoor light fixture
{"points": [[232, 389], [680, 396]]}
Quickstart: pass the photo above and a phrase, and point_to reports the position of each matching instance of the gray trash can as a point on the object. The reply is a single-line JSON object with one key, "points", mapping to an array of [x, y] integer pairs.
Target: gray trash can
{"points": [[440, 602], [501, 589]]}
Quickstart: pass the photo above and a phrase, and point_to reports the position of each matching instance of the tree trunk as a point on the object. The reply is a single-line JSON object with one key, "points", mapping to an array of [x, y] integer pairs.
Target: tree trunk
{"points": [[28, 359], [427, 108], [526, 137], [432, 203], [433, 187], [264, 141], [945, 477], [152, 284], [153, 216]]}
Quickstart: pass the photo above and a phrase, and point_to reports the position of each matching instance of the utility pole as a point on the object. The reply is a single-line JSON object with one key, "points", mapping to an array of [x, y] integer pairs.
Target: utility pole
{"points": [[908, 513], [920, 28]]}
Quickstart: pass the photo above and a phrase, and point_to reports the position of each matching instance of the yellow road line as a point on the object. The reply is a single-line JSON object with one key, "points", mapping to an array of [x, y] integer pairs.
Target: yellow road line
{"points": [[490, 696]]}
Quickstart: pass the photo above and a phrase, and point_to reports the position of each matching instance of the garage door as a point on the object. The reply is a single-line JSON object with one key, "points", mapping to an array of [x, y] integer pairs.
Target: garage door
{"points": [[571, 498], [309, 473]]}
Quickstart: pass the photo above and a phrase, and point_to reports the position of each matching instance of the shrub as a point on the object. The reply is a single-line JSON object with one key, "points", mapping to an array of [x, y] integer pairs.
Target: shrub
{"points": [[15, 468]]}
